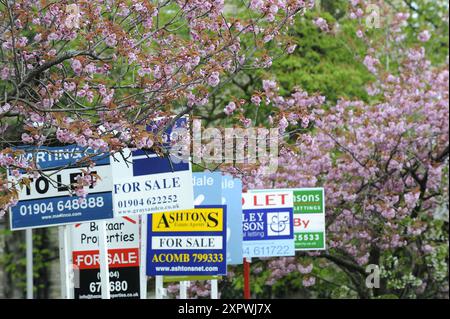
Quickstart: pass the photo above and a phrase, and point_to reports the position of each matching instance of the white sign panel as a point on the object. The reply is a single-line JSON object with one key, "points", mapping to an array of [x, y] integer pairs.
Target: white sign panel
{"points": [[148, 183], [47, 201], [122, 236], [154, 193], [268, 225]]}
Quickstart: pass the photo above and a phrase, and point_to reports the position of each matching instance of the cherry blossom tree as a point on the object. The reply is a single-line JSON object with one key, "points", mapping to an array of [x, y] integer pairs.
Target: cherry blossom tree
{"points": [[95, 73], [384, 166], [385, 172]]}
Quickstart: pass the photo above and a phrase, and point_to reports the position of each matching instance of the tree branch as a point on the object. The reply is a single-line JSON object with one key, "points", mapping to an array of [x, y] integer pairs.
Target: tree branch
{"points": [[344, 263], [443, 156], [47, 65]]}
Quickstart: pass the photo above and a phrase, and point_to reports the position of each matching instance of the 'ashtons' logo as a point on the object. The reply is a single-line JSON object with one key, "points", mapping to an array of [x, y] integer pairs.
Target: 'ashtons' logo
{"points": [[192, 220]]}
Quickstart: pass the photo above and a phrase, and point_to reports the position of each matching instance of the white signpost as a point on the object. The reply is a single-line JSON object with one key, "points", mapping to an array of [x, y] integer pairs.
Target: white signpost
{"points": [[69, 275], [29, 245]]}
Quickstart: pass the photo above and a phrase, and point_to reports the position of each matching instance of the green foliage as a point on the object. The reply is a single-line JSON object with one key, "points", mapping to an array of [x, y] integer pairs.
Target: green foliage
{"points": [[13, 260], [328, 63], [432, 16]]}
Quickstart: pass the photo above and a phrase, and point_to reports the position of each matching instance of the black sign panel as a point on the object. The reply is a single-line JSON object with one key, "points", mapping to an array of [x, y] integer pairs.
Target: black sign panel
{"points": [[123, 283]]}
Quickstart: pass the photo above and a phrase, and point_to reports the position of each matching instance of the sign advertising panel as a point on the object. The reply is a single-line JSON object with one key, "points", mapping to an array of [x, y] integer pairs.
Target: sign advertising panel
{"points": [[187, 242], [47, 201], [309, 216], [151, 183], [122, 235], [268, 224]]}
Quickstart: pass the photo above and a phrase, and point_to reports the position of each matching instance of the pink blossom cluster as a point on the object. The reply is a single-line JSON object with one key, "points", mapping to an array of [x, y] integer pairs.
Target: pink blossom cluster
{"points": [[281, 267], [196, 290], [95, 73], [382, 165]]}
